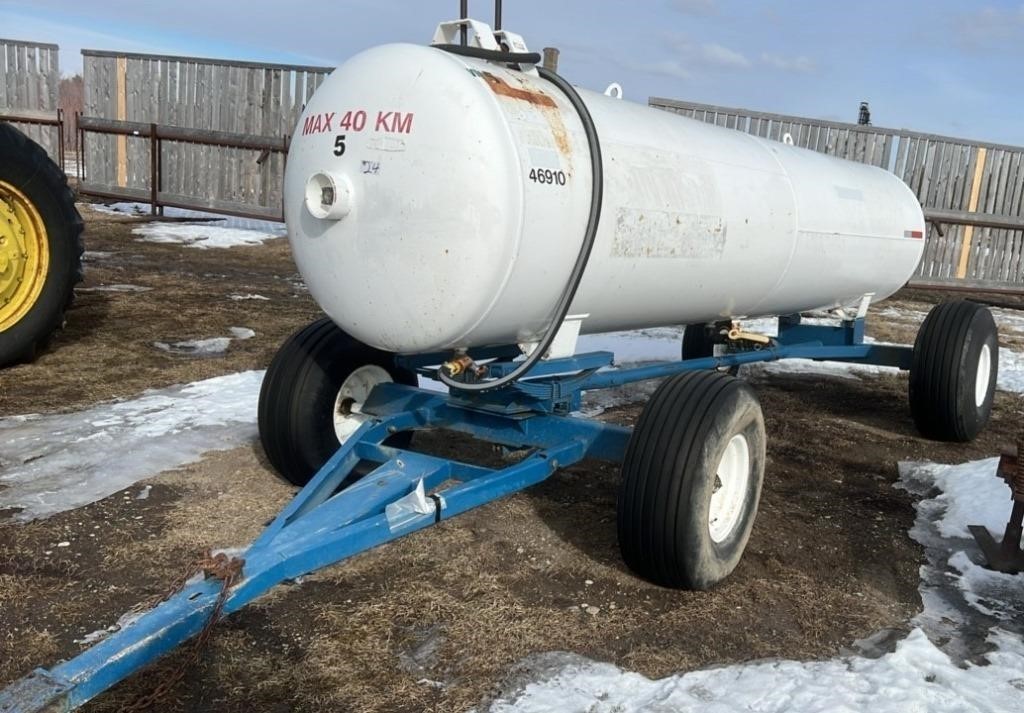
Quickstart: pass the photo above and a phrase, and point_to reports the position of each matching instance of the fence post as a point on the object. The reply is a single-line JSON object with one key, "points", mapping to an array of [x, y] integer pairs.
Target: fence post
{"points": [[60, 136], [154, 168]]}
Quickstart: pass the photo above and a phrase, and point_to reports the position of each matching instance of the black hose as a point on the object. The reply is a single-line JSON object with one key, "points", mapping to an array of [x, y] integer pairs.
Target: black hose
{"points": [[493, 55], [593, 218]]}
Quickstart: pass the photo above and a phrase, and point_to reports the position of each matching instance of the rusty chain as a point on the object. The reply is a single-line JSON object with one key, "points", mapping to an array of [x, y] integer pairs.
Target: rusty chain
{"points": [[218, 566]]}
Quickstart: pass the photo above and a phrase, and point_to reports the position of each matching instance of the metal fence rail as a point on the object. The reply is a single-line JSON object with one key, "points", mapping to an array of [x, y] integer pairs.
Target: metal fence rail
{"points": [[261, 101], [972, 191], [29, 85], [160, 140]]}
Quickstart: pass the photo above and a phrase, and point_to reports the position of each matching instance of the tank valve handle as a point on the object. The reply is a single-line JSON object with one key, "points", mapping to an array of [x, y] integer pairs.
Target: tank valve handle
{"points": [[737, 335], [463, 365]]}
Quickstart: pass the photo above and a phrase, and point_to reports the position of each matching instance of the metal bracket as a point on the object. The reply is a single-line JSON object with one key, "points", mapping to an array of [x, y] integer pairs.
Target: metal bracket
{"points": [[564, 344], [38, 691], [482, 36]]}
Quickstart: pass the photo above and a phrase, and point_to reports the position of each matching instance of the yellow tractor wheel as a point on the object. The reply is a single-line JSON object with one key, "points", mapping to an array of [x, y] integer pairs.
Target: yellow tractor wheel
{"points": [[40, 247]]}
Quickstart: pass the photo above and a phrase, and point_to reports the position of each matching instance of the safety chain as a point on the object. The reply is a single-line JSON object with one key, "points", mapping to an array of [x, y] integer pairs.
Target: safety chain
{"points": [[219, 566]]}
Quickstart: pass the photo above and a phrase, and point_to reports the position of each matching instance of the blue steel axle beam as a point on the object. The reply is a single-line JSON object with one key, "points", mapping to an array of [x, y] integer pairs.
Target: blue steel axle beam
{"points": [[327, 523]]}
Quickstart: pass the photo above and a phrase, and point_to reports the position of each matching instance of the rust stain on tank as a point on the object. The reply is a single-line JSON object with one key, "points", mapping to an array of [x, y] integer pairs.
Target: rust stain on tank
{"points": [[502, 88], [561, 136], [547, 106]]}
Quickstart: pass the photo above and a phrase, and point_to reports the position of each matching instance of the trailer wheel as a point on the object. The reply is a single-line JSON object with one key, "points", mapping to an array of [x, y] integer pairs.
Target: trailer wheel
{"points": [[40, 247], [691, 480], [306, 401], [699, 343], [953, 371]]}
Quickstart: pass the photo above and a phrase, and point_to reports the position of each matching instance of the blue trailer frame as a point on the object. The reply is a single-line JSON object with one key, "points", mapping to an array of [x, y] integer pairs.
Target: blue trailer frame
{"points": [[324, 525]]}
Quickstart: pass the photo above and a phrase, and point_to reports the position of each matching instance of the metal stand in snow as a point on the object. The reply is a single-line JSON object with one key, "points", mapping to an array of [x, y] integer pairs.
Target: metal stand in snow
{"points": [[1007, 556], [409, 491]]}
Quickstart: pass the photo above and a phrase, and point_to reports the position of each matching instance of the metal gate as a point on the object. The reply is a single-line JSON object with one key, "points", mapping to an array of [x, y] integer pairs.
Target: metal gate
{"points": [[190, 131]]}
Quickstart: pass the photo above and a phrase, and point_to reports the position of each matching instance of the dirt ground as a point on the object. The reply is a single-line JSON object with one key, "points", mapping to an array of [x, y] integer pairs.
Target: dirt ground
{"points": [[438, 620]]}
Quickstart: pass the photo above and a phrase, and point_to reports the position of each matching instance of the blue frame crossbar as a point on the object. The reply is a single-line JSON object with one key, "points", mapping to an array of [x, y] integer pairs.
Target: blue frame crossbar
{"points": [[330, 520]]}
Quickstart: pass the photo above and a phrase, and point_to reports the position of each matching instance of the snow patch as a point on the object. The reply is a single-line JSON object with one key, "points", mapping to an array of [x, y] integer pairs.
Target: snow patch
{"points": [[143, 210], [917, 676], [961, 597], [114, 288], [1011, 371], [196, 347], [57, 462], [248, 296], [971, 495], [228, 231], [214, 346], [980, 667], [241, 332], [992, 593], [201, 235]]}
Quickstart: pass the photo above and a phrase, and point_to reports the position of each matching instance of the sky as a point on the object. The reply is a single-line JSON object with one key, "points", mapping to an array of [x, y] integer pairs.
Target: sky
{"points": [[943, 66]]}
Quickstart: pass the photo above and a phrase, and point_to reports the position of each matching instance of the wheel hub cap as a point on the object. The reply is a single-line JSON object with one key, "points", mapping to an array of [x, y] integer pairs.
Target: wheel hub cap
{"points": [[354, 391], [984, 374], [24, 255], [730, 493]]}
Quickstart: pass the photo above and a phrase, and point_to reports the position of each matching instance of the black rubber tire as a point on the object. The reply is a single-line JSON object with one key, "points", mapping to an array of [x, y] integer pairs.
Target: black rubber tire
{"points": [[26, 166], [698, 343], [944, 371], [296, 420], [669, 475]]}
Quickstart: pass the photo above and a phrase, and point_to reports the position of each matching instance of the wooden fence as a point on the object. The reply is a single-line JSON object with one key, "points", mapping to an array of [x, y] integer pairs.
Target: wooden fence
{"points": [[243, 98], [963, 185], [29, 84]]}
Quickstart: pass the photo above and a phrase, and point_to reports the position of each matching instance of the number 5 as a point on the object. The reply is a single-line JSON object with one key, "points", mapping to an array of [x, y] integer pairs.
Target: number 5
{"points": [[339, 145]]}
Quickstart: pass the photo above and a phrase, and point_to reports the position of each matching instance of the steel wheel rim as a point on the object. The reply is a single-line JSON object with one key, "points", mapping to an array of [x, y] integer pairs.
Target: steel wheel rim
{"points": [[983, 376], [24, 255], [353, 393], [732, 477]]}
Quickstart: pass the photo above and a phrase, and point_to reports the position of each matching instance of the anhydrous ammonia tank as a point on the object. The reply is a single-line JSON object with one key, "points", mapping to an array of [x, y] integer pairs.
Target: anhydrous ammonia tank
{"points": [[436, 201]]}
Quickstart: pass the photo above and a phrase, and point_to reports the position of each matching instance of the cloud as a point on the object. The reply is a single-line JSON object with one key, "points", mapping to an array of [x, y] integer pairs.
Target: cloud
{"points": [[666, 68], [801, 63], [688, 57], [990, 29], [706, 54], [720, 56], [700, 8]]}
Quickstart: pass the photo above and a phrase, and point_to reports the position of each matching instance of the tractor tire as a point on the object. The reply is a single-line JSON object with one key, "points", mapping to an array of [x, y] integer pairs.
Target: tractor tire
{"points": [[953, 371], [691, 480], [40, 247], [307, 393], [698, 343]]}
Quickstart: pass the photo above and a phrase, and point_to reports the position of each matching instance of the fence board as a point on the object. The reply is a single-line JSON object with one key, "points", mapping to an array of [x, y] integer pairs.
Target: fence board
{"points": [[29, 82]]}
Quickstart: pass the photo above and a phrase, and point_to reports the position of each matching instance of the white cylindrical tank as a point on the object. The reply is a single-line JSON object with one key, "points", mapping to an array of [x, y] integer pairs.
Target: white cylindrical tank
{"points": [[435, 201]]}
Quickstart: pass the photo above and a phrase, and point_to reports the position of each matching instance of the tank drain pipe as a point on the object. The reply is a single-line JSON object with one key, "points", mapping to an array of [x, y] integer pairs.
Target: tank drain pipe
{"points": [[593, 217]]}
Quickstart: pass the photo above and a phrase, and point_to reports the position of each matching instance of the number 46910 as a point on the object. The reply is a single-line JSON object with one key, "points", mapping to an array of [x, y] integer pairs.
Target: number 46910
{"points": [[547, 176]]}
